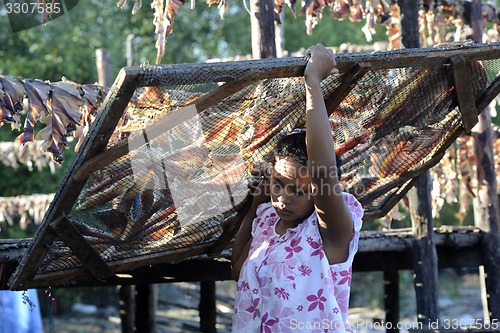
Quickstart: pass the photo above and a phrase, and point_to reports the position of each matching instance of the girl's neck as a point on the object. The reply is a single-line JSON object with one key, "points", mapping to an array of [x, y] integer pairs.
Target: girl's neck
{"points": [[282, 226]]}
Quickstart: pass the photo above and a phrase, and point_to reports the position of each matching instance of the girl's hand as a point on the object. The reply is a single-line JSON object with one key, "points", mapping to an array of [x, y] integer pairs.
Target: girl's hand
{"points": [[321, 63], [259, 183]]}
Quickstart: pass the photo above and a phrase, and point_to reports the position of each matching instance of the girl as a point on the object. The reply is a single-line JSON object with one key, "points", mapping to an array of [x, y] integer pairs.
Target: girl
{"points": [[292, 256]]}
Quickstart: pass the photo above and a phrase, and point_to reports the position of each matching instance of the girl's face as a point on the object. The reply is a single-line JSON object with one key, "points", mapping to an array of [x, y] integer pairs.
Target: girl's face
{"points": [[290, 188]]}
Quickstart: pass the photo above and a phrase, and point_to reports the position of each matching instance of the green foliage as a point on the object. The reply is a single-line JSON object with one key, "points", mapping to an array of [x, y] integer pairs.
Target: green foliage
{"points": [[448, 215], [329, 32], [66, 47], [199, 34]]}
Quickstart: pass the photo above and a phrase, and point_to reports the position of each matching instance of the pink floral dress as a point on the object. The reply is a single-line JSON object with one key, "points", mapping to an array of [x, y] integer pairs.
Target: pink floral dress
{"points": [[287, 285]]}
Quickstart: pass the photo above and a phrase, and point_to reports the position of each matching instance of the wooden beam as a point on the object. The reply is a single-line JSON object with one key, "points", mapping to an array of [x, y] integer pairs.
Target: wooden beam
{"points": [[206, 269], [89, 257], [94, 143], [294, 66], [463, 91]]}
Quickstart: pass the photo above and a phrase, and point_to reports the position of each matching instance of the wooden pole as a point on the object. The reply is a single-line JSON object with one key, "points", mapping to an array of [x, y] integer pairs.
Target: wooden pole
{"points": [[104, 72], [279, 31], [409, 23], [127, 308], [486, 210], [486, 205], [391, 300], [145, 308], [262, 25], [208, 313], [130, 50], [425, 260]]}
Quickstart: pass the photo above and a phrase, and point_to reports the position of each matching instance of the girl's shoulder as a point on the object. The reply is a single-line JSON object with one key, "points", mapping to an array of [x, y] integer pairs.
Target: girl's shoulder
{"points": [[265, 208], [265, 218]]}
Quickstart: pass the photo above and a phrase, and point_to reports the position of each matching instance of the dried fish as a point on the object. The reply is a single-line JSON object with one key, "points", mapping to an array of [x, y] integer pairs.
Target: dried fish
{"points": [[107, 194]]}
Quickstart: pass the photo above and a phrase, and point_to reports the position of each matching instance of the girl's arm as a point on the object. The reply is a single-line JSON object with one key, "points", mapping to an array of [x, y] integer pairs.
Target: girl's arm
{"points": [[334, 217], [242, 243], [260, 194]]}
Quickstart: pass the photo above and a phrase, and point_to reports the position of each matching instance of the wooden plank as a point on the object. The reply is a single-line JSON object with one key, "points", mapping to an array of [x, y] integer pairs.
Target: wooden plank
{"points": [[294, 66], [12, 250], [463, 91], [66, 195], [70, 235]]}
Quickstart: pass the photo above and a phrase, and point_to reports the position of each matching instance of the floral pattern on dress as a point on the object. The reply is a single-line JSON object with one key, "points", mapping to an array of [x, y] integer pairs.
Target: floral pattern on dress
{"points": [[287, 285]]}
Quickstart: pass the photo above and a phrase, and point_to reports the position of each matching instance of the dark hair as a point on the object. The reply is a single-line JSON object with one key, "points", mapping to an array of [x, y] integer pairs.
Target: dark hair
{"points": [[293, 146]]}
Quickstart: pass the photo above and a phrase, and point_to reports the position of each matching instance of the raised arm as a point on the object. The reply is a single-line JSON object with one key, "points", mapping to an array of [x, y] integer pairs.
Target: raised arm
{"points": [[335, 220]]}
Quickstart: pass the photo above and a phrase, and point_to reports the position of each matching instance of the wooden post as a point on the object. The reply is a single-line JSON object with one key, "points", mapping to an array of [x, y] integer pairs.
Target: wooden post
{"points": [[130, 49], [145, 308], [103, 62], [208, 312], [279, 31], [486, 205], [425, 261], [262, 25], [391, 300], [409, 23], [127, 308], [486, 210]]}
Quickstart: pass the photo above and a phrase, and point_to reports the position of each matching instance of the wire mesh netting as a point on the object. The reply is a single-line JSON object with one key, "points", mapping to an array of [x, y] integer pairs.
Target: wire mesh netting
{"points": [[184, 175]]}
